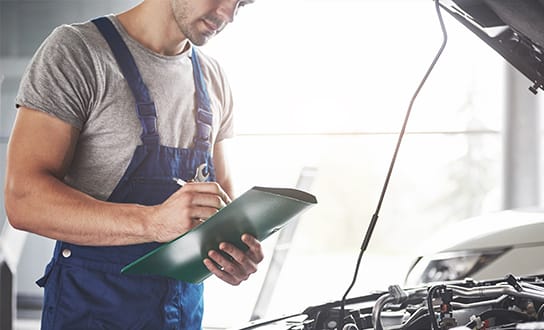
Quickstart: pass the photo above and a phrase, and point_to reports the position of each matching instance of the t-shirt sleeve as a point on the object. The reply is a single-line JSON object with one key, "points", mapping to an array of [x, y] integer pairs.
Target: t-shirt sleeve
{"points": [[60, 78], [226, 129], [220, 92]]}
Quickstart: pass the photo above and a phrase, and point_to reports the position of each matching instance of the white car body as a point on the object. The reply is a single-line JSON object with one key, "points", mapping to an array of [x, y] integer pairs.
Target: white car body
{"points": [[483, 247]]}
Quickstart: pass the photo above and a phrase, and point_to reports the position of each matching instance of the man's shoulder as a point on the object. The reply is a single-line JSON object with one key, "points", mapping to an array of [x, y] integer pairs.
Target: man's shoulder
{"points": [[76, 32], [81, 41]]}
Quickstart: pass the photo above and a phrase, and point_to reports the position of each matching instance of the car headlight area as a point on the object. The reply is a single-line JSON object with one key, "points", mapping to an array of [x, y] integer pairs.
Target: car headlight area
{"points": [[449, 266]]}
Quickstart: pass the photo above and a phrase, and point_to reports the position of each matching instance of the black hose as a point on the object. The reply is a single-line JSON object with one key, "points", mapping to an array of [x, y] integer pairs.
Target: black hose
{"points": [[432, 315]]}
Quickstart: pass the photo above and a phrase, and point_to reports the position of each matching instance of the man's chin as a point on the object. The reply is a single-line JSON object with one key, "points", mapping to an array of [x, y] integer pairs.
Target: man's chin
{"points": [[202, 40]]}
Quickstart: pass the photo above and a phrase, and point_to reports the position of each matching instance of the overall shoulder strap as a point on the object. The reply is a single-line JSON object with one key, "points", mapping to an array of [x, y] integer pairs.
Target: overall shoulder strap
{"points": [[145, 107], [204, 116]]}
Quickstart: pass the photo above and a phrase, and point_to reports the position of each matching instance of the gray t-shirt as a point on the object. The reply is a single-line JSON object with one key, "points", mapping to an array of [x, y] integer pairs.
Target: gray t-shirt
{"points": [[74, 77]]}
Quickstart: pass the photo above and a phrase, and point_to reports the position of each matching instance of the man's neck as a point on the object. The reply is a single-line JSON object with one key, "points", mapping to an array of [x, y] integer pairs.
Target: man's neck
{"points": [[151, 23]]}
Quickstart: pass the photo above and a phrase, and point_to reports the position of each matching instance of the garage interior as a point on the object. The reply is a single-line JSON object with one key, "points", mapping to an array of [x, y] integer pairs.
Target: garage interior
{"points": [[321, 89]]}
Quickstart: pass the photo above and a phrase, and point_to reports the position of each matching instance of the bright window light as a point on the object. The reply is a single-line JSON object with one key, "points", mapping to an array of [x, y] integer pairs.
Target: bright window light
{"points": [[326, 83]]}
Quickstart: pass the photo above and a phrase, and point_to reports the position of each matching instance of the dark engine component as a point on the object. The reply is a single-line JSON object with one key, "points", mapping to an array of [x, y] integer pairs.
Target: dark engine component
{"points": [[509, 303]]}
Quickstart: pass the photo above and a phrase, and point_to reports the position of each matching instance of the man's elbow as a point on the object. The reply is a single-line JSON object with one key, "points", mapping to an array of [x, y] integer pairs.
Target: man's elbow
{"points": [[14, 207], [13, 218]]}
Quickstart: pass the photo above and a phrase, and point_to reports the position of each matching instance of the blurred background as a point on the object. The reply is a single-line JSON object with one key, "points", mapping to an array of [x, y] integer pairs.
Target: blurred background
{"points": [[323, 86]]}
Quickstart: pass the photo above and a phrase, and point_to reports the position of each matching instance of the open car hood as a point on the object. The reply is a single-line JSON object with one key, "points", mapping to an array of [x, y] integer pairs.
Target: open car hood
{"points": [[514, 28]]}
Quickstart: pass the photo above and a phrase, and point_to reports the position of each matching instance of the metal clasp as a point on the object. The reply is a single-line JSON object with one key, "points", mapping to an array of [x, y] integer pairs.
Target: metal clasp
{"points": [[202, 173]]}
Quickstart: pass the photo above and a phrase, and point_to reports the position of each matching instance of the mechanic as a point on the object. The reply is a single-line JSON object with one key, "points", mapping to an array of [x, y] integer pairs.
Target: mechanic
{"points": [[109, 112]]}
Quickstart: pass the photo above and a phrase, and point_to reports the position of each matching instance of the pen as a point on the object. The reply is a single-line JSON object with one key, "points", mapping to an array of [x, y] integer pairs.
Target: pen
{"points": [[179, 181]]}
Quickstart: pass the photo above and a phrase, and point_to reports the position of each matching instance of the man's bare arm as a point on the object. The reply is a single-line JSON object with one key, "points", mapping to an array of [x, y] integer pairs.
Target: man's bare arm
{"points": [[37, 200], [221, 166]]}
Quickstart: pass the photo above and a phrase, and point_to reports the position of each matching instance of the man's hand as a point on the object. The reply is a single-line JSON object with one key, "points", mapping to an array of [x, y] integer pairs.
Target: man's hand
{"points": [[188, 207], [236, 266]]}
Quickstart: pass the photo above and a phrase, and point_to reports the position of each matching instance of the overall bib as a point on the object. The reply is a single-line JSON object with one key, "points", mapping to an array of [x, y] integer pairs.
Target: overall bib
{"points": [[84, 288]]}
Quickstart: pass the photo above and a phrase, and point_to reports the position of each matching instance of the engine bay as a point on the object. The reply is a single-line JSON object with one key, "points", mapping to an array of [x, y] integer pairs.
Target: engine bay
{"points": [[508, 303]]}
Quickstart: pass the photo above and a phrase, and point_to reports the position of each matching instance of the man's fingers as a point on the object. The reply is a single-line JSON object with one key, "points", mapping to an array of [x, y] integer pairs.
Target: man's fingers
{"points": [[194, 199], [211, 188], [220, 272], [255, 252], [233, 265]]}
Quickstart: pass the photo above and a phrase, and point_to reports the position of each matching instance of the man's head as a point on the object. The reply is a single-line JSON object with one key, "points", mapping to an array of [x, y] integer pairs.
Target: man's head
{"points": [[199, 20]]}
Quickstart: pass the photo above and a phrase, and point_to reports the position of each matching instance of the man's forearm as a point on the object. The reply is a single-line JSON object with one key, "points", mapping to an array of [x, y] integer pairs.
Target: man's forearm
{"points": [[46, 206]]}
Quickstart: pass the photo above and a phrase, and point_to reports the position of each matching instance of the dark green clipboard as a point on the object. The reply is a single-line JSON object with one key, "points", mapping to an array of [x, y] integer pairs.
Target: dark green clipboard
{"points": [[260, 211]]}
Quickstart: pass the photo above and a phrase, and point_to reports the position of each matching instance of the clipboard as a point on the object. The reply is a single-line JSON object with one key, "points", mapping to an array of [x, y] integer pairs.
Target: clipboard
{"points": [[260, 211]]}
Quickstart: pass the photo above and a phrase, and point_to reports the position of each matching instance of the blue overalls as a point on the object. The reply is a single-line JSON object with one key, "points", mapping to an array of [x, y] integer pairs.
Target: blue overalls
{"points": [[84, 288]]}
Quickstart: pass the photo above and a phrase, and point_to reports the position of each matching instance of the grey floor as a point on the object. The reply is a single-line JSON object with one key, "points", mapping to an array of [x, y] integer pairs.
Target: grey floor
{"points": [[27, 325]]}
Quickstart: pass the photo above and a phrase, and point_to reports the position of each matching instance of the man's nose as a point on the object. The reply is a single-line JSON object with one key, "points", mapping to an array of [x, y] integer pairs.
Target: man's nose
{"points": [[227, 10]]}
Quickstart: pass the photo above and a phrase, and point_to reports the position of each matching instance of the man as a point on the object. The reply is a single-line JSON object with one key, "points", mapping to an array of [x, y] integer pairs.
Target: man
{"points": [[109, 113]]}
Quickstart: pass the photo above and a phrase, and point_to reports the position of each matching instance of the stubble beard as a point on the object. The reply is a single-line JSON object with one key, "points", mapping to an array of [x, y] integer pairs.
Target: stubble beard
{"points": [[181, 10]]}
